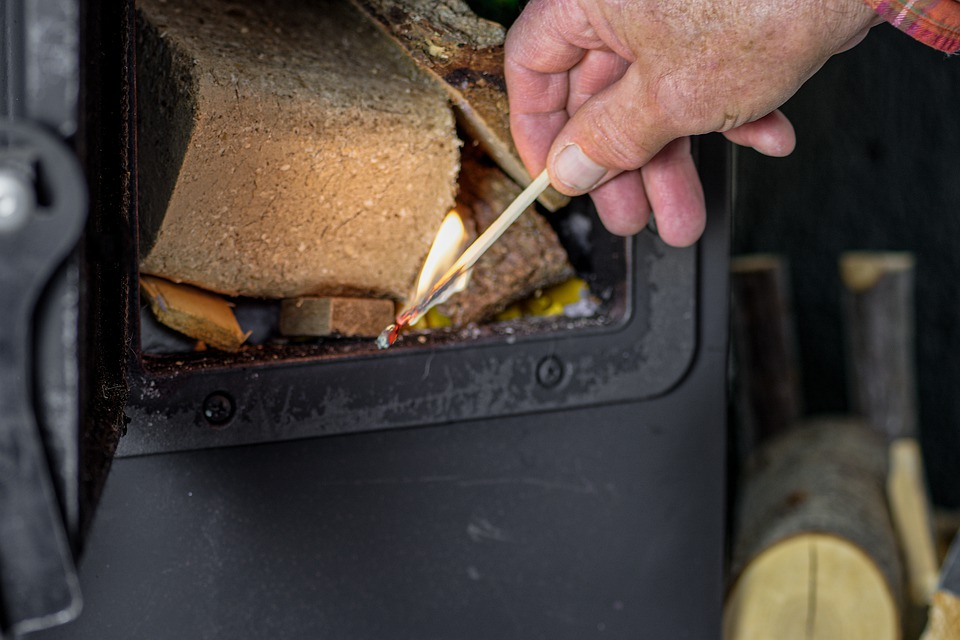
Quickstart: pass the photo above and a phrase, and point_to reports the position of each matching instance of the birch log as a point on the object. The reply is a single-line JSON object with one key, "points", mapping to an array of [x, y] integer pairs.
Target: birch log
{"points": [[815, 556]]}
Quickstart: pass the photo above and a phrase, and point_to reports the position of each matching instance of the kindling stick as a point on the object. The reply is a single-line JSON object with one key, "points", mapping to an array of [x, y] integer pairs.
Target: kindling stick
{"points": [[441, 290]]}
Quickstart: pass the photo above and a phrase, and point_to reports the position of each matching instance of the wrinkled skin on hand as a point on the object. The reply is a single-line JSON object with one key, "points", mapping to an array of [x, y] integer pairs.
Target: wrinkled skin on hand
{"points": [[626, 82]]}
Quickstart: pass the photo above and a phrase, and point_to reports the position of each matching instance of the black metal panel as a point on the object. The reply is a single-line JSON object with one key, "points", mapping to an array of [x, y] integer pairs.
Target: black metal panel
{"points": [[571, 524], [39, 59]]}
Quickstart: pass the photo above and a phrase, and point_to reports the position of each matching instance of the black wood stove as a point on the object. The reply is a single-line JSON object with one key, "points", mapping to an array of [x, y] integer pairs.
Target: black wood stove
{"points": [[534, 479]]}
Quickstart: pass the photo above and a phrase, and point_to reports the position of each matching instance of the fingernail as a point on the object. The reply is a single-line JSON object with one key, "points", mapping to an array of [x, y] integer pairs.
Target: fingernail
{"points": [[575, 170]]}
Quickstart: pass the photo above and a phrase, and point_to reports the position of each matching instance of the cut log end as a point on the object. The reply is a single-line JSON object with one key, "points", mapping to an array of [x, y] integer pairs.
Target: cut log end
{"points": [[822, 481], [755, 262], [813, 586], [861, 271]]}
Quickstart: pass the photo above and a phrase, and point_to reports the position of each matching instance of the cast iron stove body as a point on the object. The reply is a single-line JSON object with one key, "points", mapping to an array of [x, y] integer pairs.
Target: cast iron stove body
{"points": [[546, 479]]}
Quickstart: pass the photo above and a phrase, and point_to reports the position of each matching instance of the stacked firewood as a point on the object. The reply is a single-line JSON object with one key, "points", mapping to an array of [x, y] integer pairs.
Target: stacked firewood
{"points": [[832, 533], [308, 151]]}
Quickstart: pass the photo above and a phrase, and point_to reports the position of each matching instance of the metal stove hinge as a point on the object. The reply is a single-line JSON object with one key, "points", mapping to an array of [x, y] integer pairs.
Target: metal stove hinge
{"points": [[42, 212], [42, 209]]}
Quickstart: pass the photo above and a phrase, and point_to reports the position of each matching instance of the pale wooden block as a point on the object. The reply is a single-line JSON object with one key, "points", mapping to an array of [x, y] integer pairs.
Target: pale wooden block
{"points": [[314, 316], [286, 149]]}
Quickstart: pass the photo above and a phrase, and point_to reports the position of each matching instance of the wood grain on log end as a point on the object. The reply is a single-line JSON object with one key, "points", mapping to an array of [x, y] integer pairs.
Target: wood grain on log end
{"points": [[813, 586], [822, 480], [753, 262], [944, 618]]}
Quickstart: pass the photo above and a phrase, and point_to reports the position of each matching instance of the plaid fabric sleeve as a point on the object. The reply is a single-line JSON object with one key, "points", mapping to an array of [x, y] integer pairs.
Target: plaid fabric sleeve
{"points": [[933, 22]]}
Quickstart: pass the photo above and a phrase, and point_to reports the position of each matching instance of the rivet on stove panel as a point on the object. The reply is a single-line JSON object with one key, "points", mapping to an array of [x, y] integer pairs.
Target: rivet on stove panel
{"points": [[219, 408], [550, 372]]}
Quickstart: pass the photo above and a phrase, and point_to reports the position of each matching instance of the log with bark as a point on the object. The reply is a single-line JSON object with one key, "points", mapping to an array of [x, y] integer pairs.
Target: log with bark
{"points": [[764, 341], [527, 258], [878, 314], [286, 149], [878, 309], [465, 53], [815, 554]]}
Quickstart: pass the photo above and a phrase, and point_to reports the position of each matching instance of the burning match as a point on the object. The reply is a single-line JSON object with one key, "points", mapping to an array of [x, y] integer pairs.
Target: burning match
{"points": [[454, 279]]}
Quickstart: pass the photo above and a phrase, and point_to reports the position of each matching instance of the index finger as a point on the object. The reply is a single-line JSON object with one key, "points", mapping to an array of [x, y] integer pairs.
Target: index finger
{"points": [[539, 53]]}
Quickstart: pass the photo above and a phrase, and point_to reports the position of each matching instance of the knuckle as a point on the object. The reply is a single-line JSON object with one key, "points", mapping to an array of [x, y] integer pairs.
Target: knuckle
{"points": [[690, 108]]}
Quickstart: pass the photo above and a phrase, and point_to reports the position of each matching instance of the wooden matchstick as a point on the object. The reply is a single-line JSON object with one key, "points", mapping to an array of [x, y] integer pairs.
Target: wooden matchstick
{"points": [[495, 230], [465, 262]]}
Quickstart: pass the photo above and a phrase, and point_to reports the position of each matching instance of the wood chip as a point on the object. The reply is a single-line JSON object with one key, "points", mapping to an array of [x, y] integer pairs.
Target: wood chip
{"points": [[193, 312]]}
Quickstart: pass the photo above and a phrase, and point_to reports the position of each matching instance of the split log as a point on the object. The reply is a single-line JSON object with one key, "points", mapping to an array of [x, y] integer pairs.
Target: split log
{"points": [[910, 508], [193, 312], [526, 258], [335, 316], [815, 555], [465, 52], [286, 149], [764, 341], [878, 307]]}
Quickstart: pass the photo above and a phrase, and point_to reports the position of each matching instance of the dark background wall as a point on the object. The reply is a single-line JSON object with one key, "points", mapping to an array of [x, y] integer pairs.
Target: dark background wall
{"points": [[876, 167]]}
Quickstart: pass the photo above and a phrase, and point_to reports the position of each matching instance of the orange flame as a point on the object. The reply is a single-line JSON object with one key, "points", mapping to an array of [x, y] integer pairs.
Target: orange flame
{"points": [[449, 243]]}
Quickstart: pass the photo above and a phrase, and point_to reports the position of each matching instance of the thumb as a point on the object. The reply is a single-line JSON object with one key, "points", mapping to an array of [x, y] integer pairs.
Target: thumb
{"points": [[616, 130]]}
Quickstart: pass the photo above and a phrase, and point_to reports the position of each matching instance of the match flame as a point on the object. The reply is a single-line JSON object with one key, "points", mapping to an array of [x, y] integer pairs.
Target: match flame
{"points": [[449, 243]]}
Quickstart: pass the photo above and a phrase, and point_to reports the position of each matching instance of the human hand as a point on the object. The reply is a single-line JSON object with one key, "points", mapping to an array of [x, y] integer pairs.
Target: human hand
{"points": [[606, 92]]}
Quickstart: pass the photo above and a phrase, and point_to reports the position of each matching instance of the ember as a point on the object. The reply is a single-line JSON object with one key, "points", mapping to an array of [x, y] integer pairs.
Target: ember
{"points": [[389, 336]]}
